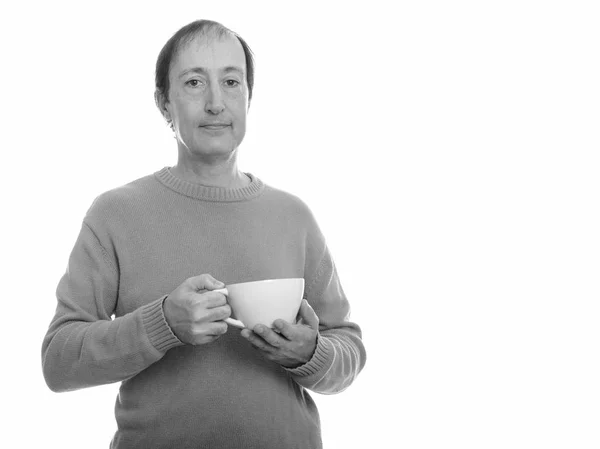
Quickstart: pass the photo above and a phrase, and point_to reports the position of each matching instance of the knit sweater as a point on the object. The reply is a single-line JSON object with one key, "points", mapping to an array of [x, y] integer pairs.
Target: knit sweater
{"points": [[137, 244]]}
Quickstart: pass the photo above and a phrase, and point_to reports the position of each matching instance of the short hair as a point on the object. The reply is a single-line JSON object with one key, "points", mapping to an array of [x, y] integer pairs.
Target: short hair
{"points": [[183, 37]]}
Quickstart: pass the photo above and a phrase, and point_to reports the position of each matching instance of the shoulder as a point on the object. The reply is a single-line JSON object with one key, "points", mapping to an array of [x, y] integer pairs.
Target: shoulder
{"points": [[294, 211], [288, 202], [122, 200]]}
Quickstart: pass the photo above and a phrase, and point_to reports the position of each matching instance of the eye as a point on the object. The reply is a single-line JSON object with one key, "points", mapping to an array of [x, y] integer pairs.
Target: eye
{"points": [[232, 83], [193, 83]]}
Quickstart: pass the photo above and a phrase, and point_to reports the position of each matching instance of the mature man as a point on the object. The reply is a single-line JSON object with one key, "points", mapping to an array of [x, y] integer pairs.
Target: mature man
{"points": [[187, 380]]}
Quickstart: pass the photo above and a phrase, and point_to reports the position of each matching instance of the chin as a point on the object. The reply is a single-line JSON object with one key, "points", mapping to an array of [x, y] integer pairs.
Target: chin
{"points": [[220, 150]]}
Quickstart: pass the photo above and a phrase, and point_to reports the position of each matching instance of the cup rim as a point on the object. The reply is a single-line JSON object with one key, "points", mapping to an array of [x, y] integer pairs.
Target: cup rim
{"points": [[265, 281]]}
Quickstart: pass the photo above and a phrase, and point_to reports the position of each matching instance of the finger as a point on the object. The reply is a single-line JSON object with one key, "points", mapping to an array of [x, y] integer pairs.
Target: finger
{"points": [[256, 340], [308, 315], [286, 329], [273, 338], [204, 281], [221, 313], [202, 314], [218, 328], [210, 315], [208, 330], [210, 300]]}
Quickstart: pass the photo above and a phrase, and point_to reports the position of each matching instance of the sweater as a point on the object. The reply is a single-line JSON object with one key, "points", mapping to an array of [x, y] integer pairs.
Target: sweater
{"points": [[140, 241]]}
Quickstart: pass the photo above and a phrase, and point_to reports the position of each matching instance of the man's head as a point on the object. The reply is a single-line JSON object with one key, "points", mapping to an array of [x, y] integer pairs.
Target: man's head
{"points": [[204, 80]]}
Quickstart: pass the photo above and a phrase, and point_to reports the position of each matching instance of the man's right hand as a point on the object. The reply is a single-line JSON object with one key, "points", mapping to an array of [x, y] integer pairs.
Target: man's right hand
{"points": [[195, 313]]}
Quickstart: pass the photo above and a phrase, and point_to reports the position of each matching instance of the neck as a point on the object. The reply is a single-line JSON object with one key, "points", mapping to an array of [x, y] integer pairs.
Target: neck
{"points": [[224, 174]]}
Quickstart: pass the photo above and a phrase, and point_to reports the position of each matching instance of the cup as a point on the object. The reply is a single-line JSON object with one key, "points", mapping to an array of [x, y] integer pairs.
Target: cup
{"points": [[262, 302]]}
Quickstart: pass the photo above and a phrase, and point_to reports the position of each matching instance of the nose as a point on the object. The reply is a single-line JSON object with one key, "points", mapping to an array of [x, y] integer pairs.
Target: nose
{"points": [[214, 101]]}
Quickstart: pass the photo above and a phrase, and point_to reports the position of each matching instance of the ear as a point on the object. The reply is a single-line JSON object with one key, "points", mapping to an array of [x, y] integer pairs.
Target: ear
{"points": [[162, 105]]}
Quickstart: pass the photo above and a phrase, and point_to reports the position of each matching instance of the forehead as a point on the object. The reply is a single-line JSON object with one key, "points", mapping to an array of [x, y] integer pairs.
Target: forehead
{"points": [[211, 53]]}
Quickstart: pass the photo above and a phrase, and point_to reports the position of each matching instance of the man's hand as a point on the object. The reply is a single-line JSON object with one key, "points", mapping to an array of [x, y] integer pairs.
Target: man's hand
{"points": [[194, 314], [290, 345]]}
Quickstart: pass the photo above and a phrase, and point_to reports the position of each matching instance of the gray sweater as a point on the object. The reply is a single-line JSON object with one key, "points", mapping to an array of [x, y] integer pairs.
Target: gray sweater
{"points": [[138, 243]]}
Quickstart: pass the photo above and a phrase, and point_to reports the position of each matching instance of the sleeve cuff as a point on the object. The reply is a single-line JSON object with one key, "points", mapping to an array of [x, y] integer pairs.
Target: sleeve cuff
{"points": [[159, 333], [318, 365]]}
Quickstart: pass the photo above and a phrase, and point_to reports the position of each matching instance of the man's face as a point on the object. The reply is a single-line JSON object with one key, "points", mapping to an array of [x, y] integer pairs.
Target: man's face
{"points": [[208, 97]]}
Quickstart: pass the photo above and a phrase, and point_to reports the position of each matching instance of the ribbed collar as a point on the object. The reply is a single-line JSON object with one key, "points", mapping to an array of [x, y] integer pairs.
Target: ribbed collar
{"points": [[208, 193]]}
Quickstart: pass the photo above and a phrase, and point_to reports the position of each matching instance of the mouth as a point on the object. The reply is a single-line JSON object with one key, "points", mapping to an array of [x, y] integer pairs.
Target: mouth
{"points": [[215, 126]]}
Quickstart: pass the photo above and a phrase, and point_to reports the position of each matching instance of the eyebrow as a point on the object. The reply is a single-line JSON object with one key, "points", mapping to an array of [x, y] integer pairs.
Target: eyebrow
{"points": [[202, 70]]}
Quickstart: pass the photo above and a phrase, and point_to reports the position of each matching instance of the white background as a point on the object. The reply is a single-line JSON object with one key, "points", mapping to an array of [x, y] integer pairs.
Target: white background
{"points": [[448, 149]]}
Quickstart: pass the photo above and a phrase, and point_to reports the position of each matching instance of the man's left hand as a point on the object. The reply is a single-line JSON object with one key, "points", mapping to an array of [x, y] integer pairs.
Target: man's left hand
{"points": [[290, 345]]}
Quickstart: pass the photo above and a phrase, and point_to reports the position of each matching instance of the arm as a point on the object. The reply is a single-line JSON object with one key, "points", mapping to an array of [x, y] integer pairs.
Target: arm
{"points": [[339, 355], [324, 352], [84, 347]]}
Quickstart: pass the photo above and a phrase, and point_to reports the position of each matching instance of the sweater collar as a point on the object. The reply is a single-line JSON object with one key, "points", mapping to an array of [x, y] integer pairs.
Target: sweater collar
{"points": [[208, 193]]}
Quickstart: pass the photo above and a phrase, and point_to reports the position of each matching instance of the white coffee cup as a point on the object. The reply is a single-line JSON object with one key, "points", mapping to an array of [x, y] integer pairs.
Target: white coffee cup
{"points": [[262, 302]]}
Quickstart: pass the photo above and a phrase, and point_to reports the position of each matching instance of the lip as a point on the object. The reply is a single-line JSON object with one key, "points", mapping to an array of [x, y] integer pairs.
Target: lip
{"points": [[215, 126]]}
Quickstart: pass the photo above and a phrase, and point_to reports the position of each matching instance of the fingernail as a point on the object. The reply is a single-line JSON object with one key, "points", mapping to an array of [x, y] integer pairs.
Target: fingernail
{"points": [[219, 284]]}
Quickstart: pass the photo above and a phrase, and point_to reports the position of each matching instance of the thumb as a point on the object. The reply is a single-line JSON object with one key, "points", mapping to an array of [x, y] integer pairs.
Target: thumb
{"points": [[308, 315], [204, 282]]}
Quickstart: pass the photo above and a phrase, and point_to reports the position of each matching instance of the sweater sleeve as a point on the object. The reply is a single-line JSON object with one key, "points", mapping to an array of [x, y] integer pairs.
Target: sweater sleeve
{"points": [[84, 346], [340, 353]]}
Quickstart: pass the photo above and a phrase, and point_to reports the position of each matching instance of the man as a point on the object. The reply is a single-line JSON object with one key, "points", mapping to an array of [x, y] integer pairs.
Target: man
{"points": [[187, 379]]}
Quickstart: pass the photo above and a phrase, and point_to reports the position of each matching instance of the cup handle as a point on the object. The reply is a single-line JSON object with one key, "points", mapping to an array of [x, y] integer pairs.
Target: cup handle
{"points": [[236, 323], [233, 322]]}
